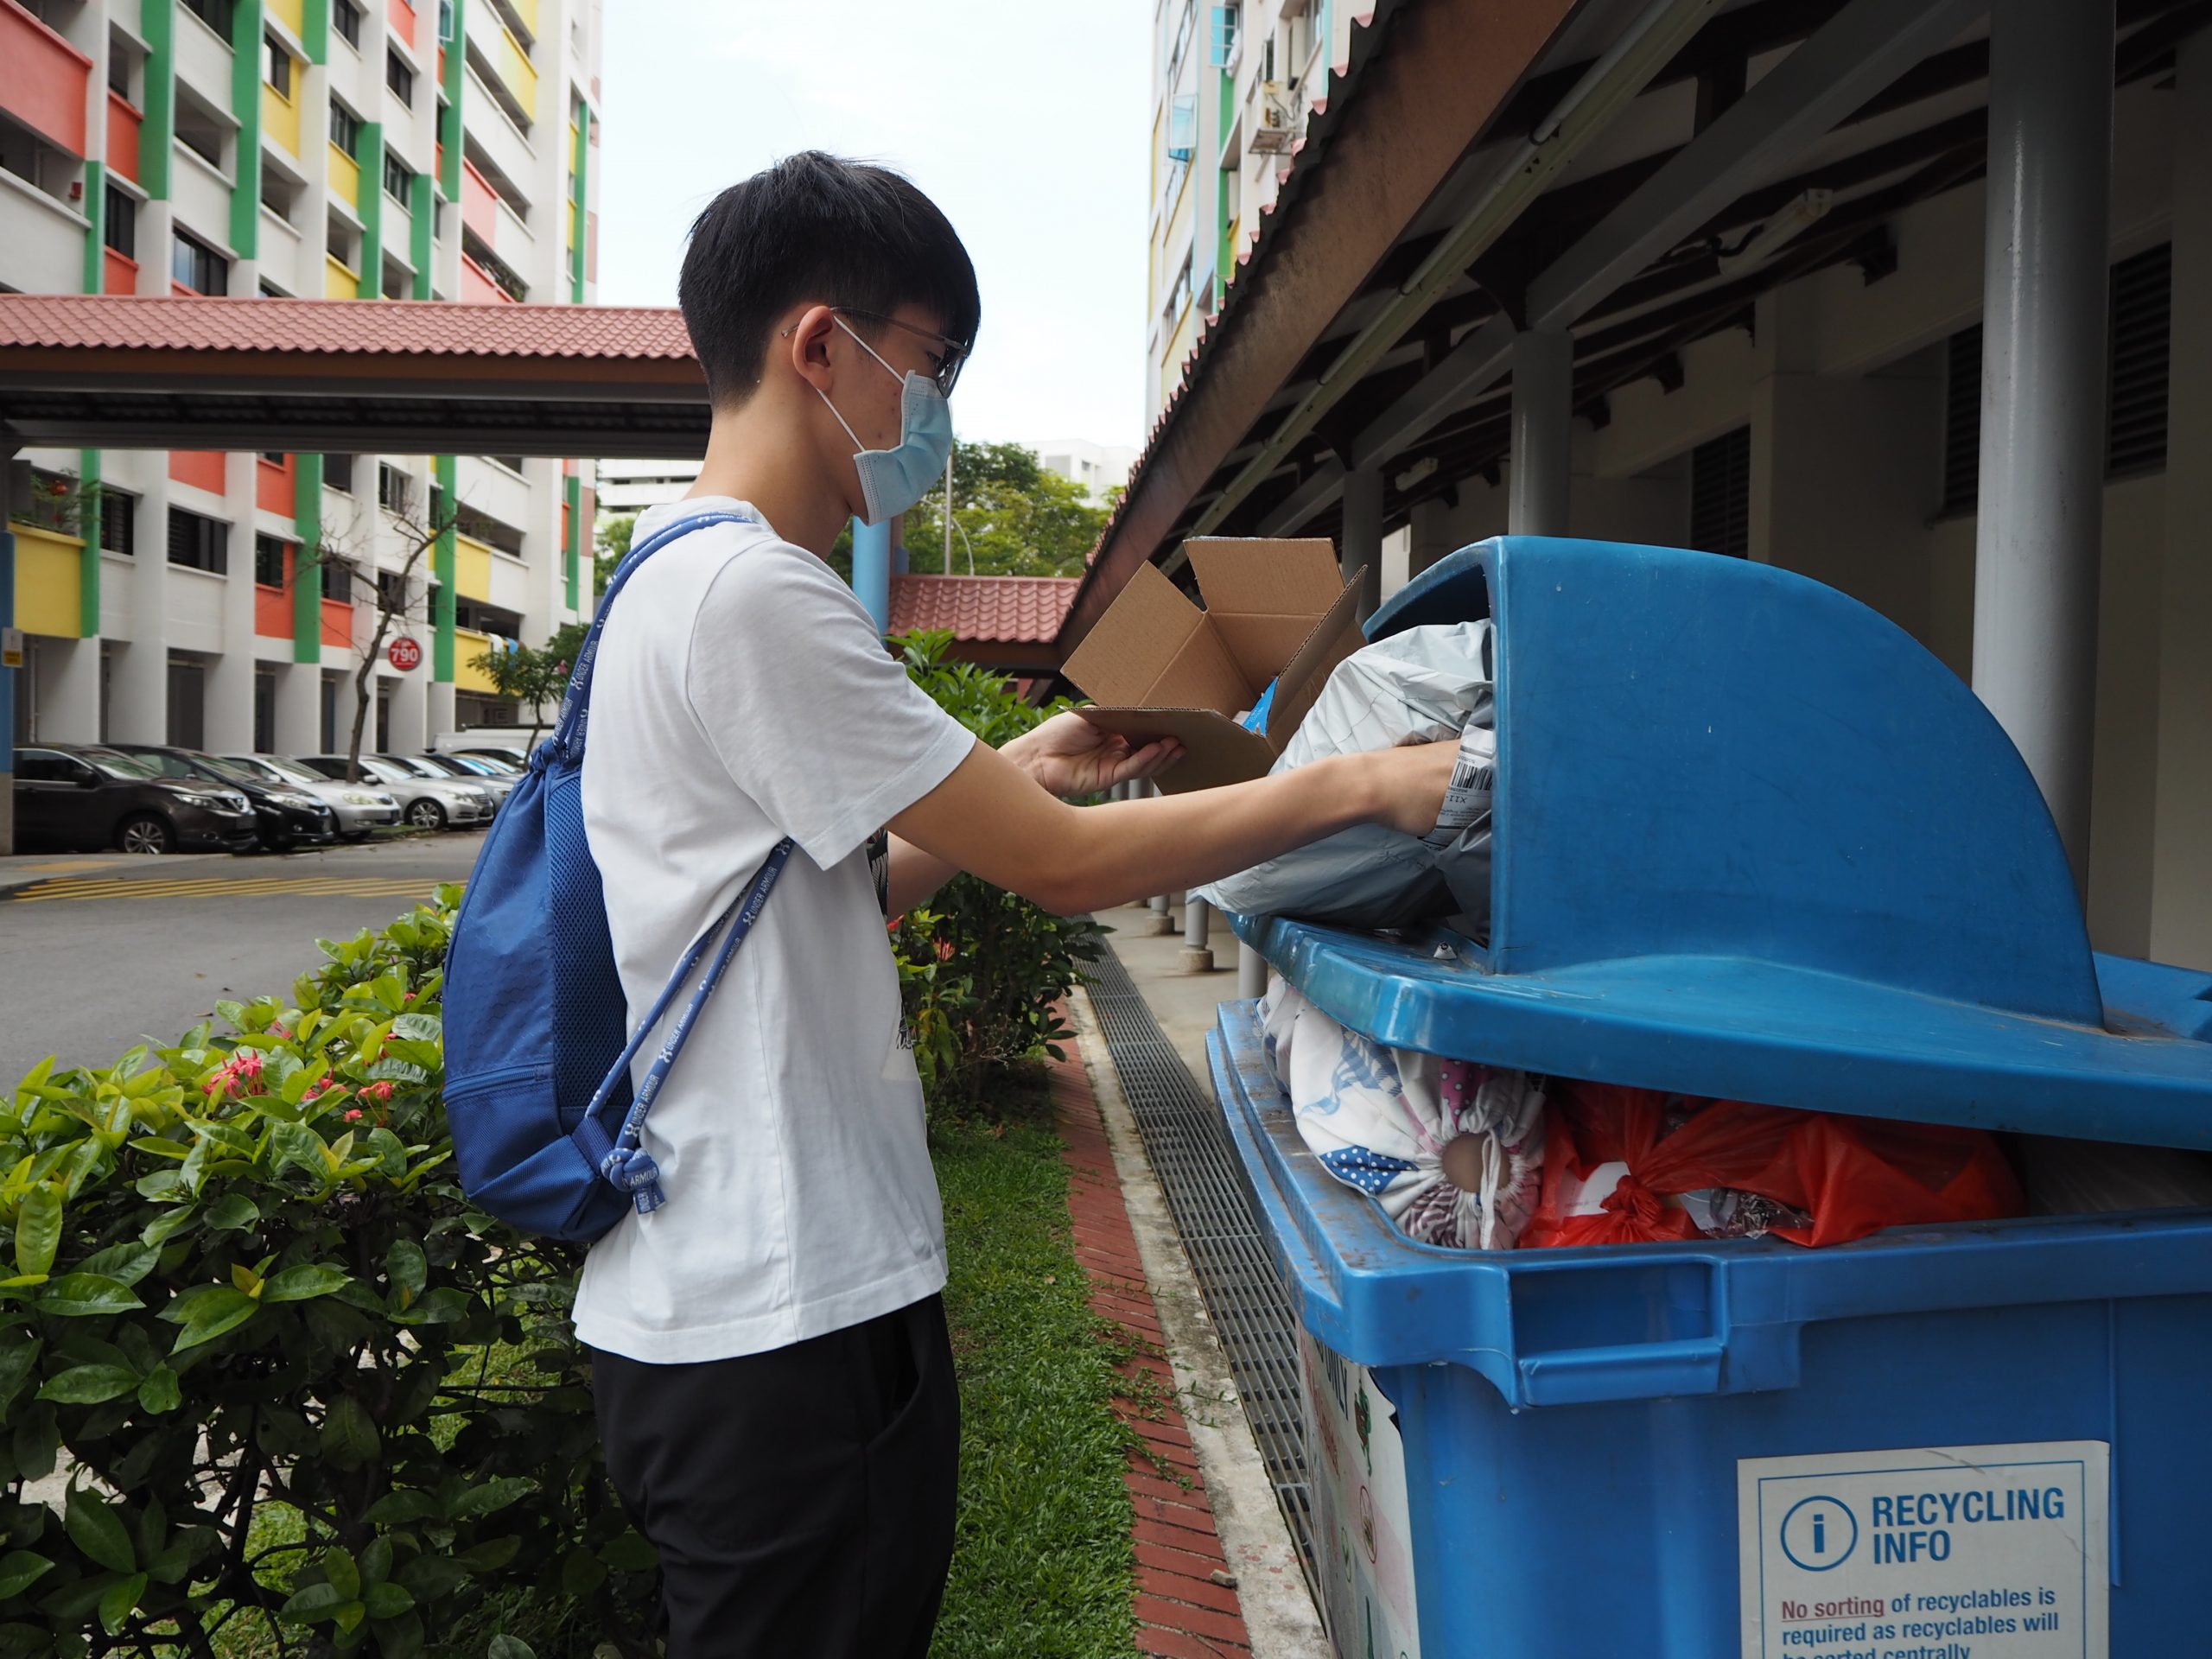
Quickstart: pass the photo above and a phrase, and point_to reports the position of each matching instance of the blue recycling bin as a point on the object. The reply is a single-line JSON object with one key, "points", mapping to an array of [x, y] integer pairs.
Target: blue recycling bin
{"points": [[1751, 841]]}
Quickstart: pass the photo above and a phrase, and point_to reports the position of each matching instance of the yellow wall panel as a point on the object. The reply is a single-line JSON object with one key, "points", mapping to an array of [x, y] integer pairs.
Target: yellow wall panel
{"points": [[345, 177], [472, 575], [467, 646], [280, 116], [48, 598], [338, 282]]}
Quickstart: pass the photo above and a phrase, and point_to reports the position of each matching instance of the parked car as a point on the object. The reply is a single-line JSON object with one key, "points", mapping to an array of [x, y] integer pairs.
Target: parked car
{"points": [[286, 815], [360, 807], [504, 761], [83, 797], [468, 769], [426, 802]]}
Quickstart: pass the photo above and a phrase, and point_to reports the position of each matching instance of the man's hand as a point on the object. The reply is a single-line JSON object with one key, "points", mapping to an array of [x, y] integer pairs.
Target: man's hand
{"points": [[1070, 757]]}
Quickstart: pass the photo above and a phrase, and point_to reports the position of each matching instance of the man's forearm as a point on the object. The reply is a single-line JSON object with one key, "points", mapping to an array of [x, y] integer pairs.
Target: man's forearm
{"points": [[915, 875]]}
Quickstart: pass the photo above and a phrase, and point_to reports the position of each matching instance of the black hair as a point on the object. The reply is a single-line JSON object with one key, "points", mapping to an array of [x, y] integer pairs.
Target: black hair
{"points": [[815, 227]]}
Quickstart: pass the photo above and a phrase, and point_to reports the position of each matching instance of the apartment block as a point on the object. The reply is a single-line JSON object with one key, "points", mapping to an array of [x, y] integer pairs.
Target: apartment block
{"points": [[341, 150]]}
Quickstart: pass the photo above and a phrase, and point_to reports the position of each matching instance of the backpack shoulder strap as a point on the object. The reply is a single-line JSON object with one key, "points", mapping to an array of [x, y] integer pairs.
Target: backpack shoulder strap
{"points": [[567, 739]]}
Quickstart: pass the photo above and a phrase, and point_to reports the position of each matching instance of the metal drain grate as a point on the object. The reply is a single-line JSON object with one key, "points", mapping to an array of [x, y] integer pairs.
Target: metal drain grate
{"points": [[1190, 1151]]}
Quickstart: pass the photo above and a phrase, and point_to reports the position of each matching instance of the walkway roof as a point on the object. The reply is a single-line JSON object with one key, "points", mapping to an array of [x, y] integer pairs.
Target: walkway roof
{"points": [[1612, 168], [407, 377]]}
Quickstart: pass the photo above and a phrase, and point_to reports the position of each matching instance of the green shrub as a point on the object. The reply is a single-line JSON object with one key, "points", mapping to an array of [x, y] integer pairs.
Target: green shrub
{"points": [[981, 971], [302, 1383]]}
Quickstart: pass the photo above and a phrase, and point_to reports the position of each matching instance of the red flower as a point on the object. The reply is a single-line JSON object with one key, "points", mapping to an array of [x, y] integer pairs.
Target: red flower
{"points": [[381, 1090], [353, 1116]]}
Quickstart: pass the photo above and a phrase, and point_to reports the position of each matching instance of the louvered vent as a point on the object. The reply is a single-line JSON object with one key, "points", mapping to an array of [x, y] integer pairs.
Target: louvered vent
{"points": [[1720, 494], [1963, 422], [2142, 315]]}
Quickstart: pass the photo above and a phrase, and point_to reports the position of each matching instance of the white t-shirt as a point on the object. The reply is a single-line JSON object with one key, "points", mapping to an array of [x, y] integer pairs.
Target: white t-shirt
{"points": [[741, 695]]}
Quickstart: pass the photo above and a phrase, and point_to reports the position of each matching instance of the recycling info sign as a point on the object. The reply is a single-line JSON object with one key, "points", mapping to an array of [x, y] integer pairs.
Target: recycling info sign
{"points": [[1952, 1551]]}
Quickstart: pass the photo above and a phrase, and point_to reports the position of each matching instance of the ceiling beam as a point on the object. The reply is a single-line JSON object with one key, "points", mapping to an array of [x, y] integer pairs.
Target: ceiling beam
{"points": [[1321, 487]]}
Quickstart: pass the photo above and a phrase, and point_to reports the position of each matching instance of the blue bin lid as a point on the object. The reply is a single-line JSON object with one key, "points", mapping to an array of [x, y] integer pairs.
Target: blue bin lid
{"points": [[1751, 840]]}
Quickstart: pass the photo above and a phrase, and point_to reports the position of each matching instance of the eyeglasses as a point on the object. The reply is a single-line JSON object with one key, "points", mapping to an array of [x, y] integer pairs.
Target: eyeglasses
{"points": [[949, 360]]}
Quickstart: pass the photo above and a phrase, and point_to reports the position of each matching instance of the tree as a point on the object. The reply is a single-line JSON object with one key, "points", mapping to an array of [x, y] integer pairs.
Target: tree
{"points": [[1011, 517], [612, 547], [395, 593], [535, 677]]}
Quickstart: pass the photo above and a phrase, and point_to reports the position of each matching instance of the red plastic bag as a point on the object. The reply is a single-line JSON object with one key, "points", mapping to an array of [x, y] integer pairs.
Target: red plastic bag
{"points": [[1849, 1177]]}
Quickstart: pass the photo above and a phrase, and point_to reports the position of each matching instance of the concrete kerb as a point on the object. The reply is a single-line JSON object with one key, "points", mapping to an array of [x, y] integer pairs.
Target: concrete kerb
{"points": [[1278, 1609]]}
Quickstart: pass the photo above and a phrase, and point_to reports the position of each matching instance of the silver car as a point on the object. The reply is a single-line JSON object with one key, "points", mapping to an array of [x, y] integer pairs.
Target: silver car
{"points": [[426, 802], [497, 785], [360, 807]]}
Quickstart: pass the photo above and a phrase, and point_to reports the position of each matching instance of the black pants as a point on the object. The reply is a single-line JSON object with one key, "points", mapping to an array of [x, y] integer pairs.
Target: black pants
{"points": [[802, 1500]]}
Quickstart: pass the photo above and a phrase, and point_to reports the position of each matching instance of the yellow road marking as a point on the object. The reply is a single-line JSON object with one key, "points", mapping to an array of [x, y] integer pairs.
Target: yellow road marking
{"points": [[365, 887]]}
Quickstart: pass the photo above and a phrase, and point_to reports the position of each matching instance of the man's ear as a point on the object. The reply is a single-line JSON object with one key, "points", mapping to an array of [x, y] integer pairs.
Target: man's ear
{"points": [[808, 345]]}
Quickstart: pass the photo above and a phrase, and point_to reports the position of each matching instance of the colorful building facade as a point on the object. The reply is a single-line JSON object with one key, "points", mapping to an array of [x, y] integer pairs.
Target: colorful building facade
{"points": [[315, 149]]}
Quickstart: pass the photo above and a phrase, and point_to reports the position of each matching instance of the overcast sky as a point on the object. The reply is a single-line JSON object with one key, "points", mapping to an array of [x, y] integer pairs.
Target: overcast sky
{"points": [[1026, 122]]}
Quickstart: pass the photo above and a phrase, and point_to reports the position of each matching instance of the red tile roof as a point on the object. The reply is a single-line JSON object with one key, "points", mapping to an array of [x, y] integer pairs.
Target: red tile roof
{"points": [[375, 327], [1014, 609]]}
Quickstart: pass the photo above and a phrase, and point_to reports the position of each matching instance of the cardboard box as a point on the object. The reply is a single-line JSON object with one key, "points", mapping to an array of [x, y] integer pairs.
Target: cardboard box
{"points": [[1158, 666]]}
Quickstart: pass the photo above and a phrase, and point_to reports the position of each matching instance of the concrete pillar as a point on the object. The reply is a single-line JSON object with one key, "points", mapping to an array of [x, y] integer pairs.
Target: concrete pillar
{"points": [[8, 674], [410, 711], [2181, 856], [299, 708], [1397, 559], [1362, 545], [1542, 461], [438, 715], [228, 675], [69, 692], [138, 680], [2042, 391], [872, 569], [1197, 959], [1251, 972]]}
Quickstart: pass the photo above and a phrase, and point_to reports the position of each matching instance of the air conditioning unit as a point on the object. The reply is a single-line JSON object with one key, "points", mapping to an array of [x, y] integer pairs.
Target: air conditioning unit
{"points": [[1275, 122]]}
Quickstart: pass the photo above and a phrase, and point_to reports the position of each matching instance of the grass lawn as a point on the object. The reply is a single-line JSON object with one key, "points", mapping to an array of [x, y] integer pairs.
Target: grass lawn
{"points": [[1043, 1566]]}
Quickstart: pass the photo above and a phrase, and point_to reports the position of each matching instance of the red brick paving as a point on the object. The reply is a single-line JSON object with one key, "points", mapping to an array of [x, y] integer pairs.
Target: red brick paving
{"points": [[1183, 1611]]}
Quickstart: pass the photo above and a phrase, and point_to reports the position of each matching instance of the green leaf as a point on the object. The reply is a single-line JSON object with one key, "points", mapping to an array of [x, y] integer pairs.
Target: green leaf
{"points": [[232, 1212], [16, 1358], [296, 1143], [491, 1555], [581, 1573], [491, 1497], [19, 1570], [441, 1306], [375, 1565], [214, 1310], [340, 1571], [170, 1563], [399, 1509], [431, 1578], [387, 1600], [159, 1392], [124, 1263], [308, 1280], [90, 1385], [37, 1438], [38, 1229], [81, 1295], [120, 1602], [509, 1647], [100, 1532], [349, 1434], [631, 1554], [399, 1638], [407, 1267], [165, 1226], [348, 1617], [316, 1602]]}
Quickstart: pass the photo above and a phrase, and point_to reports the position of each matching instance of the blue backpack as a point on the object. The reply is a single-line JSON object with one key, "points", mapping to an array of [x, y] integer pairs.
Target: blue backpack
{"points": [[538, 1066]]}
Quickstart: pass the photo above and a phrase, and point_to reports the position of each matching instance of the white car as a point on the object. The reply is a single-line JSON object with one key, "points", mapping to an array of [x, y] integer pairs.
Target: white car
{"points": [[426, 802], [360, 807]]}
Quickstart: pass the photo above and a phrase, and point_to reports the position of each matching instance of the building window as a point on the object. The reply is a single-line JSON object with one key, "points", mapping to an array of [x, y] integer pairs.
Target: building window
{"points": [[391, 592], [346, 18], [345, 128], [2142, 331], [198, 266], [198, 542], [1222, 38], [118, 522], [201, 131], [337, 581], [280, 195], [395, 489], [269, 561], [120, 63], [1178, 295], [474, 613], [119, 221], [265, 289], [1720, 494], [277, 70], [398, 178], [216, 14], [338, 473], [399, 77]]}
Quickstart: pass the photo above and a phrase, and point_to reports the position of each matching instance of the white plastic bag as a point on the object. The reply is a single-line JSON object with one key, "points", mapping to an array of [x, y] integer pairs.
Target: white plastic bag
{"points": [[1453, 1152], [1424, 686]]}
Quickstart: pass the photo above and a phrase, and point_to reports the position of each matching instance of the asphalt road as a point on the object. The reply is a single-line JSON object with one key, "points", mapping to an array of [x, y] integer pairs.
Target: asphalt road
{"points": [[92, 960]]}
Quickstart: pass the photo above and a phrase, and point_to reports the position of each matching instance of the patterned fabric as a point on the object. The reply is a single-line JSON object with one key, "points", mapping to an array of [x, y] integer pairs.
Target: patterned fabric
{"points": [[1380, 1120]]}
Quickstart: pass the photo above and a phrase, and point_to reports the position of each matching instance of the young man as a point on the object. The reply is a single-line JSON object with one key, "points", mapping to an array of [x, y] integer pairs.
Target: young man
{"points": [[773, 1380]]}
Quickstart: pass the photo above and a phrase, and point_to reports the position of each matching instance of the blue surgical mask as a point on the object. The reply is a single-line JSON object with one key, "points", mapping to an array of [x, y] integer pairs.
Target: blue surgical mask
{"points": [[892, 480]]}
